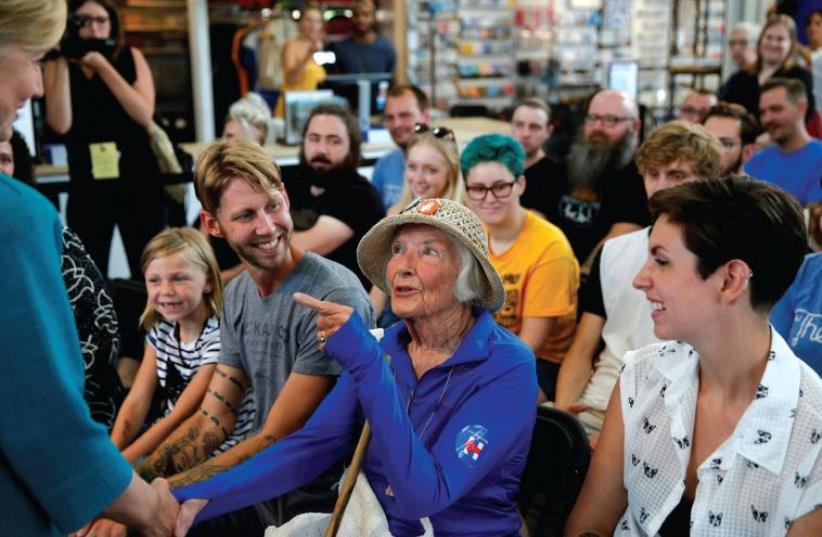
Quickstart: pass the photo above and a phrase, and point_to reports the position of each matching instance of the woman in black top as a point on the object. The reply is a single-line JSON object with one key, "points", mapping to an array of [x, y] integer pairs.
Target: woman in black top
{"points": [[777, 55], [102, 100]]}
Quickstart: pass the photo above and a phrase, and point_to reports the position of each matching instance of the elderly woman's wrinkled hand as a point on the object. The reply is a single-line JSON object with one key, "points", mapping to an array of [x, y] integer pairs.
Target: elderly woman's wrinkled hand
{"points": [[330, 315], [358, 346]]}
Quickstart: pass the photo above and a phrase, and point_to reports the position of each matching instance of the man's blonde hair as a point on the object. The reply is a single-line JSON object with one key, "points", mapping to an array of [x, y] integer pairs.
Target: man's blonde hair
{"points": [[683, 141], [36, 25], [225, 160]]}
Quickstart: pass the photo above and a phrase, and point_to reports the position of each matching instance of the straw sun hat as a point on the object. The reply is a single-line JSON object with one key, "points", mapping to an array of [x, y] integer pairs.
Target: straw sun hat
{"points": [[456, 220]]}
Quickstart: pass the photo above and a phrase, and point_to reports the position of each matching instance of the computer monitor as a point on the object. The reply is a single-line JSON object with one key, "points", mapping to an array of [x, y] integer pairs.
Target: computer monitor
{"points": [[624, 76]]}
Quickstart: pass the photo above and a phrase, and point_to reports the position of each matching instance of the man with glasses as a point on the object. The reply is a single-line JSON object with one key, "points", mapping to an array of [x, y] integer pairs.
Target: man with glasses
{"points": [[616, 317], [600, 194], [696, 105], [736, 130], [332, 205], [742, 44], [405, 106]]}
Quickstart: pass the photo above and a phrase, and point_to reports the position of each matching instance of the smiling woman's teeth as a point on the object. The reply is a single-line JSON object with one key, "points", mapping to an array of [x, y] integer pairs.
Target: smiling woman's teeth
{"points": [[657, 306]]}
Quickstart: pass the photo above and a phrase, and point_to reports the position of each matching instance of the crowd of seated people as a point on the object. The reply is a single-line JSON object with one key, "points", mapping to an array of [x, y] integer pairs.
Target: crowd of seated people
{"points": [[668, 302]]}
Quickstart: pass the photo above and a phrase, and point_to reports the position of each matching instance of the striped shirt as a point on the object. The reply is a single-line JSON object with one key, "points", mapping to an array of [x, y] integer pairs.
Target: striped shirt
{"points": [[178, 362]]}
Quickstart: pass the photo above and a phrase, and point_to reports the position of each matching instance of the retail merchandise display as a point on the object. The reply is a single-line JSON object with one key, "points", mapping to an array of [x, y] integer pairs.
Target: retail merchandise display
{"points": [[489, 52]]}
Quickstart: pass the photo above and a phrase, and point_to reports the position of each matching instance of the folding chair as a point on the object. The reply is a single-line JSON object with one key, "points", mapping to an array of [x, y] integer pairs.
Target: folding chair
{"points": [[554, 472]]}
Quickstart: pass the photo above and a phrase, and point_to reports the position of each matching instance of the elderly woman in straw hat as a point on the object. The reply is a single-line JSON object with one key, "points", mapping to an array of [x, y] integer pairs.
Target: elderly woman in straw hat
{"points": [[451, 412]]}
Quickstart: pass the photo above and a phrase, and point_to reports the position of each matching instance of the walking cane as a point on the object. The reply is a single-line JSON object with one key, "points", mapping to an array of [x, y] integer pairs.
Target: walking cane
{"points": [[353, 472], [349, 482]]}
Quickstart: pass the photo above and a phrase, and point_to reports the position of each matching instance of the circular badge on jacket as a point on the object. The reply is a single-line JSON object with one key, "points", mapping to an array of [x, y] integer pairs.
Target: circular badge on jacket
{"points": [[472, 440]]}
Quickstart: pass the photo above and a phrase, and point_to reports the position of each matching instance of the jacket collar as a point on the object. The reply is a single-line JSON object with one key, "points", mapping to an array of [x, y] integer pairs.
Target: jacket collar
{"points": [[474, 347]]}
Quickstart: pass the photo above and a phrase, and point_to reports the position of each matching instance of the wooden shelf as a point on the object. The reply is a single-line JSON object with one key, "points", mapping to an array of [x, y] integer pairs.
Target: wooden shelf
{"points": [[156, 4]]}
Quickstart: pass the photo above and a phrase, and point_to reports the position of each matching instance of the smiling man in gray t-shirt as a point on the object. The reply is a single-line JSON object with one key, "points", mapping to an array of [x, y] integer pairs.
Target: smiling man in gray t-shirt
{"points": [[268, 341], [272, 337]]}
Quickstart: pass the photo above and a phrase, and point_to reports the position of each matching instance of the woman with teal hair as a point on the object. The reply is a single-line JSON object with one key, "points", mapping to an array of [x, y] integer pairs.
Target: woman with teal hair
{"points": [[533, 257]]}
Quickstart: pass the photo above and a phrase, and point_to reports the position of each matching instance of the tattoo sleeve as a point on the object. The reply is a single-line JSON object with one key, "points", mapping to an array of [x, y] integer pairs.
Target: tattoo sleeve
{"points": [[222, 463], [182, 452]]}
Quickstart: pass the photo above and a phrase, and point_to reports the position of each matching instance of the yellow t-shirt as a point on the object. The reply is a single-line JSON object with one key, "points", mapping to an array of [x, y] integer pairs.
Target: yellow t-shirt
{"points": [[541, 277], [313, 74]]}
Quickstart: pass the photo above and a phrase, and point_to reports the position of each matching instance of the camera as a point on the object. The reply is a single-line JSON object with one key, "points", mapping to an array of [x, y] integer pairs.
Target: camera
{"points": [[74, 47]]}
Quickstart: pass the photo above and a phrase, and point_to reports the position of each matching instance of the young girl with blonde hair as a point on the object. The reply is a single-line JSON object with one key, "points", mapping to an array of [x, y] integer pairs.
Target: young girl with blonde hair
{"points": [[182, 318]]}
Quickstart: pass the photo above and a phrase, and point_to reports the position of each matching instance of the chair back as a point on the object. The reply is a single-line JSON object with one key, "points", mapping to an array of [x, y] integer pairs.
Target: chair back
{"points": [[555, 469]]}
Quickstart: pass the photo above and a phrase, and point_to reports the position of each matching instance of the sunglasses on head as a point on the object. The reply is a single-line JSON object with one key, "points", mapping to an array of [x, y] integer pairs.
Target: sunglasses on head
{"points": [[437, 132]]}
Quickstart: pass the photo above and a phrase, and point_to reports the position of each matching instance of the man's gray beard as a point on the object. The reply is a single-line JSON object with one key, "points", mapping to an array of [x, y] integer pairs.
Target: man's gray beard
{"points": [[589, 162]]}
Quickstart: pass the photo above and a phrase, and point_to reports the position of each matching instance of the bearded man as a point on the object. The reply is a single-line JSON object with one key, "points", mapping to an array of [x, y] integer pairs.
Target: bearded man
{"points": [[601, 194], [332, 205]]}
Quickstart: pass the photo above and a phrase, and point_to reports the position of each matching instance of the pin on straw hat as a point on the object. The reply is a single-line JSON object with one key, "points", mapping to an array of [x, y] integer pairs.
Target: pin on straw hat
{"points": [[456, 220]]}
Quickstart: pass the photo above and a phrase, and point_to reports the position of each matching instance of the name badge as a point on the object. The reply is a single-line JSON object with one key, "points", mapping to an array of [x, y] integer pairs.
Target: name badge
{"points": [[105, 160]]}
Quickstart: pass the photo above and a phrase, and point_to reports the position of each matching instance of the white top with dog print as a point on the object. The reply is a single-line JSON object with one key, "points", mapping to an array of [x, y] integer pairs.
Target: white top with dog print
{"points": [[765, 475]]}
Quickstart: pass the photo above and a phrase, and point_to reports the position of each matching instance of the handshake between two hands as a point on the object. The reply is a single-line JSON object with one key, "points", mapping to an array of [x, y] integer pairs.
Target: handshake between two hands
{"points": [[163, 516]]}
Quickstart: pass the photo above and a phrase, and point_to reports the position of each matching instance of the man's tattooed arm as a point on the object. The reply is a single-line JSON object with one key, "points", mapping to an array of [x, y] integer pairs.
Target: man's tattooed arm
{"points": [[197, 437], [224, 461], [294, 405]]}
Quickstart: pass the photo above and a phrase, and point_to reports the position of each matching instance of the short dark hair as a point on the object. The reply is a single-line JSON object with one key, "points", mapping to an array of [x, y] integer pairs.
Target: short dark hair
{"points": [[748, 125], [401, 89], [539, 104], [352, 127], [794, 88], [739, 218]]}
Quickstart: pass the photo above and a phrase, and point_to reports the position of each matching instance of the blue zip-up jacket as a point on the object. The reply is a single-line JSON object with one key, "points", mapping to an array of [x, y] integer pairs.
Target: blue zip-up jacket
{"points": [[450, 446]]}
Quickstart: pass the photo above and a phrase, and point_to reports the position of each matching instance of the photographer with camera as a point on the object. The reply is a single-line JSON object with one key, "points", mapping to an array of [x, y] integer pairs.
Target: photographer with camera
{"points": [[100, 95]]}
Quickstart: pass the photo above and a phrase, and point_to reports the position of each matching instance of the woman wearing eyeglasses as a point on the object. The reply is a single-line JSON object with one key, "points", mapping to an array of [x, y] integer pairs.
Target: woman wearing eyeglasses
{"points": [[432, 170], [533, 257], [100, 95]]}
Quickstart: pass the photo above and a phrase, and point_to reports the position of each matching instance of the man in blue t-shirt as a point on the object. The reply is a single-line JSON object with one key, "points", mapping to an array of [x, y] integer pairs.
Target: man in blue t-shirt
{"points": [[365, 51], [405, 106], [798, 314], [794, 162]]}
